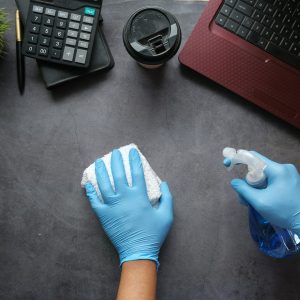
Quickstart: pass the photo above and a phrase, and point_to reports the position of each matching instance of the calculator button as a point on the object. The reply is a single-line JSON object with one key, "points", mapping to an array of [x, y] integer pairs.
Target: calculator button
{"points": [[46, 31], [34, 28], [75, 17], [42, 51], [38, 9], [68, 53], [72, 33], [71, 42], [45, 41], [87, 28], [81, 56], [74, 25], [85, 36], [36, 19], [88, 20], [33, 39], [57, 44], [50, 12], [49, 21], [60, 34], [63, 14], [55, 53], [31, 49], [61, 24], [89, 11], [83, 44]]}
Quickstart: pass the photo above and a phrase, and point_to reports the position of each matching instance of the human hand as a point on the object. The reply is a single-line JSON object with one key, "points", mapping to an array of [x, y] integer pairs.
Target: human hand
{"points": [[279, 202], [136, 229]]}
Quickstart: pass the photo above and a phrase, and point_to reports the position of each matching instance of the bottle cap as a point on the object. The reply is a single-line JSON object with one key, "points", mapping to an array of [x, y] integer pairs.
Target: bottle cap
{"points": [[152, 36]]}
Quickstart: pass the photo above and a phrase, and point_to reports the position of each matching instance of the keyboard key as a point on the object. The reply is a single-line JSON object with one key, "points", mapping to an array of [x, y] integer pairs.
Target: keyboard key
{"points": [[72, 34], [267, 33], [232, 26], [90, 11], [57, 44], [81, 56], [244, 8], [286, 44], [270, 10], [31, 49], [221, 19], [68, 53], [262, 43], [63, 14], [295, 49], [75, 17], [50, 12], [55, 53], [250, 2], [248, 22], [83, 44], [71, 42], [276, 27], [283, 55], [46, 31], [37, 9], [225, 10], [230, 2], [85, 36], [257, 15], [74, 25], [88, 20], [235, 15], [34, 28], [60, 34], [286, 31], [49, 21], [61, 24], [261, 4], [253, 37], [267, 21], [276, 39], [258, 27], [243, 32], [86, 28], [44, 41], [295, 37], [33, 38], [36, 19], [43, 51]]}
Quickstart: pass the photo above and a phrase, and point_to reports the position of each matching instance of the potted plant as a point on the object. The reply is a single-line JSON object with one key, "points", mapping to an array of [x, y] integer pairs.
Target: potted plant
{"points": [[3, 28]]}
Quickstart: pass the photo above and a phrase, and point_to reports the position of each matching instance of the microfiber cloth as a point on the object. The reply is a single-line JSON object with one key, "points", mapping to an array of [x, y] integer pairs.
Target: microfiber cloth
{"points": [[152, 180]]}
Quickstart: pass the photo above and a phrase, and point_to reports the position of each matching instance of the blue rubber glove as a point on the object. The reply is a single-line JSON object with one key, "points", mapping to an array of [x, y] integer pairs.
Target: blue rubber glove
{"points": [[136, 229], [279, 202]]}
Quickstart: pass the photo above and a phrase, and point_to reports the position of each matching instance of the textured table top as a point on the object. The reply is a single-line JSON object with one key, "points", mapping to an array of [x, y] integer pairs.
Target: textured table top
{"points": [[51, 244]]}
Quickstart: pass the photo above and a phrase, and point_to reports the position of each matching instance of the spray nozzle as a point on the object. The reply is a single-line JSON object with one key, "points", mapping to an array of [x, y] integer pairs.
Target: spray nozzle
{"points": [[255, 176]]}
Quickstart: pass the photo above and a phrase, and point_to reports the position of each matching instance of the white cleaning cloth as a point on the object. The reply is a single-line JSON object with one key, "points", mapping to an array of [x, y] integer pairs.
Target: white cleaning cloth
{"points": [[152, 180]]}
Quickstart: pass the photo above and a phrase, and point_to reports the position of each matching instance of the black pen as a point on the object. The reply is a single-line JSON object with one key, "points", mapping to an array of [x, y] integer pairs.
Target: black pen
{"points": [[20, 57]]}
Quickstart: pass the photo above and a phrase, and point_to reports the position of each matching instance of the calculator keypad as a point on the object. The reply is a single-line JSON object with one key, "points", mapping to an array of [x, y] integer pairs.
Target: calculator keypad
{"points": [[60, 35]]}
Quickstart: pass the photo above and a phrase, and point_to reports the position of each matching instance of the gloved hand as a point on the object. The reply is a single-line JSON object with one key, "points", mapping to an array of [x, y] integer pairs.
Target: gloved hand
{"points": [[279, 202], [136, 229]]}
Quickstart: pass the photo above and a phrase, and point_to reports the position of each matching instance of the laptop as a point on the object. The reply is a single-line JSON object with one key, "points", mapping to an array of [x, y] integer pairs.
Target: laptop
{"points": [[251, 47]]}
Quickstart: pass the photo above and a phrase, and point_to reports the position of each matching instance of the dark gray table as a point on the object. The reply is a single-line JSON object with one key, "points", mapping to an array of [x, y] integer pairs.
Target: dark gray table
{"points": [[51, 244]]}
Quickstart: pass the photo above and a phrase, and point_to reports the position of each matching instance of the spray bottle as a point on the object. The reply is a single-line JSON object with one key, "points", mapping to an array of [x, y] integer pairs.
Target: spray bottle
{"points": [[271, 240]]}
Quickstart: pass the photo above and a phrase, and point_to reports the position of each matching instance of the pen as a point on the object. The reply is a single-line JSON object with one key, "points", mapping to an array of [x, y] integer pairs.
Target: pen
{"points": [[20, 57]]}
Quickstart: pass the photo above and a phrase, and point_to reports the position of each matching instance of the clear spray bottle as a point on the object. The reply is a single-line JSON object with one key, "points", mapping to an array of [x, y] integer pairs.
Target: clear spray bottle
{"points": [[271, 240]]}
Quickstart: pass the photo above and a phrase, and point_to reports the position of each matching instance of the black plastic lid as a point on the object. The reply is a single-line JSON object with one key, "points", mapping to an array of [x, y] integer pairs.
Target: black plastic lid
{"points": [[152, 35]]}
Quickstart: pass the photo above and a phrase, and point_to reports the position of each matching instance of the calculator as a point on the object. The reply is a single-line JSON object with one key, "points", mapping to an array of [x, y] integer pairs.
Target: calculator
{"points": [[61, 31]]}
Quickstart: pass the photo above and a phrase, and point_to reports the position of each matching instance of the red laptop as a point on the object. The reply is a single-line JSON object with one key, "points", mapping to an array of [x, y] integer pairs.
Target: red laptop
{"points": [[251, 47]]}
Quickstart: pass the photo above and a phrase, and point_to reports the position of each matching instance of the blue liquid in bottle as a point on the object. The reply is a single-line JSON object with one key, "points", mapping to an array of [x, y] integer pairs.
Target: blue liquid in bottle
{"points": [[272, 240]]}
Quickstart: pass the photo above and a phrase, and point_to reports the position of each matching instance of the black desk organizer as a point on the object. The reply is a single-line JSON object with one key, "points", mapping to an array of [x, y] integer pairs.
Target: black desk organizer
{"points": [[54, 74]]}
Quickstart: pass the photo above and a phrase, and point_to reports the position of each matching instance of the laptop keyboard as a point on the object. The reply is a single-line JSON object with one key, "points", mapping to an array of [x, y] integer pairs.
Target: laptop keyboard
{"points": [[272, 25]]}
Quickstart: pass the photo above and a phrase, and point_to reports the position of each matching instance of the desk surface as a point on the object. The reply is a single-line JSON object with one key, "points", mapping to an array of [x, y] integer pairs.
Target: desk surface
{"points": [[51, 244]]}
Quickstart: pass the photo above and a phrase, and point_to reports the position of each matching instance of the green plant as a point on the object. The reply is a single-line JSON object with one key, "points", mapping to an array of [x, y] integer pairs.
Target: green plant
{"points": [[3, 28]]}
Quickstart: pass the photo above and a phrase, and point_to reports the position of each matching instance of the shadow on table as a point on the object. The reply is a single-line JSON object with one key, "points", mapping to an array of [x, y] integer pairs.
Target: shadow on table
{"points": [[238, 100]]}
